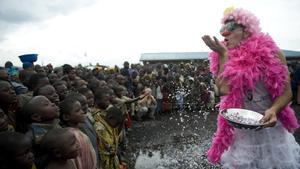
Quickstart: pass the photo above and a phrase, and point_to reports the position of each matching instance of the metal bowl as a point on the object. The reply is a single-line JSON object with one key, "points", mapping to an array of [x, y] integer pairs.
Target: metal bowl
{"points": [[243, 118]]}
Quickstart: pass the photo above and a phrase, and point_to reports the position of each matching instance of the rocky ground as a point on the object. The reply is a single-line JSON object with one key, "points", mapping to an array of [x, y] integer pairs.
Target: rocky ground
{"points": [[174, 141]]}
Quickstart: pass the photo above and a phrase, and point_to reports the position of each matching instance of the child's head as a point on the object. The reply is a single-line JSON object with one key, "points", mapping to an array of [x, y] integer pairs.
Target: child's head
{"points": [[69, 71], [3, 121], [147, 90], [60, 144], [71, 113], [61, 89], [7, 94], [52, 77], [59, 71], [112, 96], [114, 117], [49, 92], [80, 83], [119, 90], [39, 69], [88, 94], [15, 151], [102, 99], [93, 84], [81, 98], [37, 80], [3, 74], [121, 79], [38, 110]]}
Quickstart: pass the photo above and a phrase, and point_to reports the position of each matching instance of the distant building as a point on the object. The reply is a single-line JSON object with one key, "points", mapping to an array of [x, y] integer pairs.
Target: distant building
{"points": [[292, 55], [177, 57]]}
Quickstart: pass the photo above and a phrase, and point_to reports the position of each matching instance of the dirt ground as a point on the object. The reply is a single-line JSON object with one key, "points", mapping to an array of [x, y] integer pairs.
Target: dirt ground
{"points": [[175, 141]]}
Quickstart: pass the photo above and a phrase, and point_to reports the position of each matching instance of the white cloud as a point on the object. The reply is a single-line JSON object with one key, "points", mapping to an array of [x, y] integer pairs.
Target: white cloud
{"points": [[16, 13]]}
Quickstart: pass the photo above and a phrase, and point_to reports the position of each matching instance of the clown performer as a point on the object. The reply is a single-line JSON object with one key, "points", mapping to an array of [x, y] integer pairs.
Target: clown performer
{"points": [[251, 73]]}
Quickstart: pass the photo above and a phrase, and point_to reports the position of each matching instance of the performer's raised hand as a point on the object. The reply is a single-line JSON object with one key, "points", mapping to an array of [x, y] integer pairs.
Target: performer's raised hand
{"points": [[215, 45]]}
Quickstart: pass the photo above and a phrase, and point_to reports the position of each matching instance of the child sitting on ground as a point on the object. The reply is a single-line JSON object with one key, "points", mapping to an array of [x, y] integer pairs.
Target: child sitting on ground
{"points": [[15, 151], [146, 106], [61, 147], [71, 115]]}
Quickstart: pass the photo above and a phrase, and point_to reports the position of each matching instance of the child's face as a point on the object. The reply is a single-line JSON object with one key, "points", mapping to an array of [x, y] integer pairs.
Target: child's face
{"points": [[84, 105], [147, 90], [81, 83], [7, 93], [47, 110], [124, 92], [62, 91], [49, 92], [90, 98], [116, 122], [103, 102], [3, 121], [121, 92], [112, 96], [4, 74], [44, 81], [77, 115], [113, 123], [52, 77], [24, 157], [72, 74], [69, 146]]}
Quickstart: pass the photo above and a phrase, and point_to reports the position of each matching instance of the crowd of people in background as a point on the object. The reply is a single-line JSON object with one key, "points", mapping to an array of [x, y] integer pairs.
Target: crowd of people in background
{"points": [[294, 68], [78, 117]]}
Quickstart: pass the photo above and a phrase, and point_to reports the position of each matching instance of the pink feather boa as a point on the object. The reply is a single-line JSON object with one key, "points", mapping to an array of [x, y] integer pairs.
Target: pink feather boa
{"points": [[254, 59]]}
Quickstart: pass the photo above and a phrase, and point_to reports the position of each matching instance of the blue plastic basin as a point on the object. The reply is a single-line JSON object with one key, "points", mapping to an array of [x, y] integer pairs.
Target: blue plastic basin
{"points": [[28, 58]]}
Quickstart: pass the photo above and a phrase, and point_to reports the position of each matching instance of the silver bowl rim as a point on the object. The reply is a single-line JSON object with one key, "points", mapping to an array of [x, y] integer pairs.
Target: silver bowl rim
{"points": [[245, 124]]}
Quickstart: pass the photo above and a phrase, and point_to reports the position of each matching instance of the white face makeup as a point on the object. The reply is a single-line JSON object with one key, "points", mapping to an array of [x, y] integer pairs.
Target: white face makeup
{"points": [[233, 34]]}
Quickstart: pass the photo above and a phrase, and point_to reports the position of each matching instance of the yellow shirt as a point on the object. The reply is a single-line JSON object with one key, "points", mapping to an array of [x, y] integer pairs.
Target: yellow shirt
{"points": [[108, 141]]}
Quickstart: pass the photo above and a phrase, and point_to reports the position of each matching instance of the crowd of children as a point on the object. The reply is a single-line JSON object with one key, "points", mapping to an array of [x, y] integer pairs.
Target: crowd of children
{"points": [[78, 118]]}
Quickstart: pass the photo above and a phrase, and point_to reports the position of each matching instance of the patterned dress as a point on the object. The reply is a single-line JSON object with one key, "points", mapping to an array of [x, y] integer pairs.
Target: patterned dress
{"points": [[108, 141]]}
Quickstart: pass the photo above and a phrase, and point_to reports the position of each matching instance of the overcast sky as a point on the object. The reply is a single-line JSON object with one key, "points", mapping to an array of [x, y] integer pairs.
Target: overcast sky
{"points": [[112, 31]]}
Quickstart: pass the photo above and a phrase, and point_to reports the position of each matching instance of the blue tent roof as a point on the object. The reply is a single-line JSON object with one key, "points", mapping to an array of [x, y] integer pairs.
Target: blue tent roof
{"points": [[164, 56]]}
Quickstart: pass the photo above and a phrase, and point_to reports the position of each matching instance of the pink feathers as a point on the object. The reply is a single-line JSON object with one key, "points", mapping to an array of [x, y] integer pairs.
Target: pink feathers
{"points": [[254, 59], [243, 17]]}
